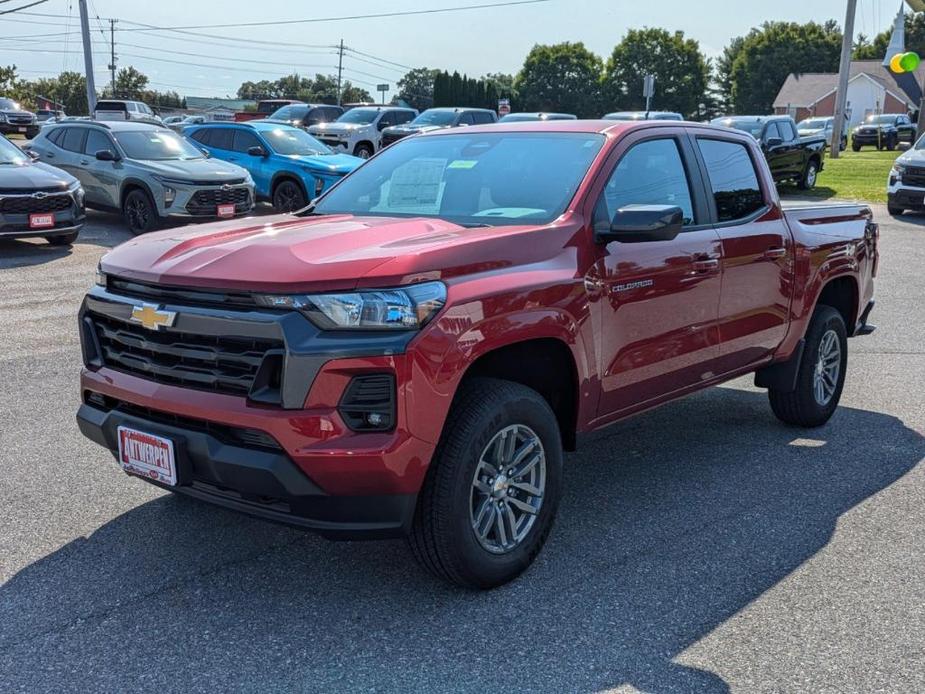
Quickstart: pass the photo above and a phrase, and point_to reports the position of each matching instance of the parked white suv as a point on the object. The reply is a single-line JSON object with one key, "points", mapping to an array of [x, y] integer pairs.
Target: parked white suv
{"points": [[359, 130], [123, 109]]}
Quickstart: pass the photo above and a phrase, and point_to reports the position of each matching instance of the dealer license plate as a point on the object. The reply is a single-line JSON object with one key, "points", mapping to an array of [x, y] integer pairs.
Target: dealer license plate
{"points": [[147, 455], [225, 211], [41, 221]]}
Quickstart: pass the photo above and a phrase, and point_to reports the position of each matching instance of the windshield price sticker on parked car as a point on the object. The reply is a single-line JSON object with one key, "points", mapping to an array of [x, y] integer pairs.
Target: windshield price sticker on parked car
{"points": [[416, 185]]}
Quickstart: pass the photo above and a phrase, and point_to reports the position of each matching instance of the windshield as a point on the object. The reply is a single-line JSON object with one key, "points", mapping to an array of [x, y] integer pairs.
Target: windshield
{"points": [[10, 153], [293, 141], [362, 116], [469, 179], [749, 125], [156, 145], [880, 120], [289, 113], [9, 105], [435, 118], [813, 124]]}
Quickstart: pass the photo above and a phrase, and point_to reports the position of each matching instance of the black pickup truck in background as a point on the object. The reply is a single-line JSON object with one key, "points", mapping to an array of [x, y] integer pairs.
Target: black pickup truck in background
{"points": [[790, 157]]}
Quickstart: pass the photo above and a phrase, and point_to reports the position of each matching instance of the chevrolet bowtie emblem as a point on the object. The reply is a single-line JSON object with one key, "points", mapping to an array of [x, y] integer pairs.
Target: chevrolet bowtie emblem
{"points": [[151, 317]]}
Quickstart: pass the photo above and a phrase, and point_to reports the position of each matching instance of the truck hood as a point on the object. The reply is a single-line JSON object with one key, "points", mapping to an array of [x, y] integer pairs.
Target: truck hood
{"points": [[194, 169], [33, 177], [340, 128], [289, 254], [413, 129], [19, 114]]}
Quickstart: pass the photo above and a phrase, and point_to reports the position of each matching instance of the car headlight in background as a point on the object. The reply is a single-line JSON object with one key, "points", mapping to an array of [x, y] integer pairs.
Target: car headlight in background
{"points": [[319, 185], [2, 118], [77, 191], [100, 276], [402, 308], [896, 173]]}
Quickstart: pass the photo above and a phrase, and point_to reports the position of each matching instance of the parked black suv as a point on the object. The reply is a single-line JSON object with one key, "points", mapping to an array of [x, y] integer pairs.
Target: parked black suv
{"points": [[305, 115], [790, 157], [884, 131], [15, 119], [437, 119], [37, 199]]}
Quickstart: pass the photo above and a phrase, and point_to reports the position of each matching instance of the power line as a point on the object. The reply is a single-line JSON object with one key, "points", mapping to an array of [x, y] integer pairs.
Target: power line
{"points": [[378, 15], [391, 62], [23, 7]]}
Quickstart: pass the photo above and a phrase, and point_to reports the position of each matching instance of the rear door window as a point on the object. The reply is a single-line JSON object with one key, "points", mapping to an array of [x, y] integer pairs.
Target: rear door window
{"points": [[73, 140], [222, 138], [733, 179], [244, 140]]}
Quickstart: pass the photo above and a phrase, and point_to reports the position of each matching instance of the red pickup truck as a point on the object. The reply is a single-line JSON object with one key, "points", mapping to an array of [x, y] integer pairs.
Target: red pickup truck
{"points": [[411, 354]]}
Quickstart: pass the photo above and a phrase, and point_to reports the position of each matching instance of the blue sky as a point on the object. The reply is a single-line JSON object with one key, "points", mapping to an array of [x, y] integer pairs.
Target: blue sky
{"points": [[475, 41]]}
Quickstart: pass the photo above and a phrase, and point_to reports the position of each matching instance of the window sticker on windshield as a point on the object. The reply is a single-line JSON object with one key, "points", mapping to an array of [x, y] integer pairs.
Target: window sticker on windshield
{"points": [[462, 164], [415, 186]]}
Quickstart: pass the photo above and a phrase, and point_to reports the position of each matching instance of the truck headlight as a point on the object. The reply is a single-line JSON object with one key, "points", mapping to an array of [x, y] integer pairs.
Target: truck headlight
{"points": [[78, 192], [402, 308], [896, 173], [100, 276]]}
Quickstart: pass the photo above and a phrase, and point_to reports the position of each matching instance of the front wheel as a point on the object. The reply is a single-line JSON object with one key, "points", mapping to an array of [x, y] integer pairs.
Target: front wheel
{"points": [[891, 143], [894, 210], [62, 239], [139, 212], [821, 374], [493, 487], [363, 151], [288, 196], [855, 147]]}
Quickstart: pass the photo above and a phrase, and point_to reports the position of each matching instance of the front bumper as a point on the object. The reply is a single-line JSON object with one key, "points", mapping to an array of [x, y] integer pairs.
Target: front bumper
{"points": [[15, 211], [317, 472], [257, 480], [201, 202], [873, 138], [18, 128]]}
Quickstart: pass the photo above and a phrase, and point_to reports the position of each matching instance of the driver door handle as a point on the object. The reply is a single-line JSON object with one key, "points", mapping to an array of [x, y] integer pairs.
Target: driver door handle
{"points": [[772, 253], [705, 263]]}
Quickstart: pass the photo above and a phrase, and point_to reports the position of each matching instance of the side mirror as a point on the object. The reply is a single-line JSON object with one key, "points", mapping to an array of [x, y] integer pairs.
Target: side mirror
{"points": [[205, 152], [105, 155], [772, 142], [257, 151], [33, 155], [639, 223]]}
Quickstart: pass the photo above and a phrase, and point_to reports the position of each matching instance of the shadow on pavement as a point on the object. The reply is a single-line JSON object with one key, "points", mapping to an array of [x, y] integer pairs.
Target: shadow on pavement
{"points": [[672, 522]]}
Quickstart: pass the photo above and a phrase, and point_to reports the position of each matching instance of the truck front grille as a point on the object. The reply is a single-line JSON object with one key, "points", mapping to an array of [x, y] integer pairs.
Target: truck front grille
{"points": [[225, 364], [915, 176], [28, 204], [205, 202]]}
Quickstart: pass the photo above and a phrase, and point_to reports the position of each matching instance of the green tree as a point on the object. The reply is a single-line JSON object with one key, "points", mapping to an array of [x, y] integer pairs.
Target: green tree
{"points": [[417, 87], [130, 83], [681, 71], [353, 94], [876, 49], [69, 89], [769, 53], [561, 77], [723, 74]]}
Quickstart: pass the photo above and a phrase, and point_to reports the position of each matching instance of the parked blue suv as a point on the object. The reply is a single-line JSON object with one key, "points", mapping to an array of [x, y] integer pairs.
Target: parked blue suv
{"points": [[289, 166]]}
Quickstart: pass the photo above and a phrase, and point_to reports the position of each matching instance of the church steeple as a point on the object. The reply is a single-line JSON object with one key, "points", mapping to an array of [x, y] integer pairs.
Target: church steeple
{"points": [[897, 38]]}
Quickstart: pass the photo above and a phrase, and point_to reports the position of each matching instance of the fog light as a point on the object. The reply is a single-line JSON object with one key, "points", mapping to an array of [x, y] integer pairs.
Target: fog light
{"points": [[169, 195], [319, 186]]}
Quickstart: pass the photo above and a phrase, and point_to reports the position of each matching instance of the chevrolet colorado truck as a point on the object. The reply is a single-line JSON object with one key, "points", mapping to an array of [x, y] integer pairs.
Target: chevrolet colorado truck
{"points": [[411, 354]]}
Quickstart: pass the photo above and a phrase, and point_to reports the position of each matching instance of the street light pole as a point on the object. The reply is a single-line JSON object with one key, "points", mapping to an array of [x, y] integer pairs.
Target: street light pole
{"points": [[88, 56], [844, 68]]}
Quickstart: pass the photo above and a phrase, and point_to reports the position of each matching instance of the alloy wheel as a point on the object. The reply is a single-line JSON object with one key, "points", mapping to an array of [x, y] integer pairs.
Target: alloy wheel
{"points": [[828, 368], [507, 488]]}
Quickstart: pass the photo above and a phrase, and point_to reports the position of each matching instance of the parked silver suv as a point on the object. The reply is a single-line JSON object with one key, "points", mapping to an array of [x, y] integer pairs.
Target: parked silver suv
{"points": [[359, 130], [147, 172]]}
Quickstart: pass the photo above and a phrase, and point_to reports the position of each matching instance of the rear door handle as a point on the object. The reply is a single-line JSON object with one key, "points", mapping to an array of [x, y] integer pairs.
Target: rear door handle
{"points": [[772, 253], [84, 162], [50, 155]]}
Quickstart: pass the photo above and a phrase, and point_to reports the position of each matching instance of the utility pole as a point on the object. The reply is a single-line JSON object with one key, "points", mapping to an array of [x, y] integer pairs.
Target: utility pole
{"points": [[112, 55], [844, 68], [88, 56], [340, 69]]}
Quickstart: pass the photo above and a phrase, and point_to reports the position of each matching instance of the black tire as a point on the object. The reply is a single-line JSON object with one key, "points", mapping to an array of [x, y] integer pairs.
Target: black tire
{"points": [[855, 147], [139, 212], [801, 407], [364, 150], [288, 196], [443, 539], [894, 210], [62, 239], [844, 144], [32, 133], [891, 143], [808, 178]]}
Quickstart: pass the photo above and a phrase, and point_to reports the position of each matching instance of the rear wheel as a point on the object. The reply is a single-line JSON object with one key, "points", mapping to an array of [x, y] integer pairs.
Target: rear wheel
{"points": [[894, 210], [493, 488], [139, 212], [288, 196], [821, 374], [891, 143], [62, 239], [808, 179], [855, 147]]}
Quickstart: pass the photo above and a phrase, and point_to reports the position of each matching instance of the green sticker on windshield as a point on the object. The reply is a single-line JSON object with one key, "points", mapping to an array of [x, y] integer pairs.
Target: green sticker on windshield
{"points": [[462, 164]]}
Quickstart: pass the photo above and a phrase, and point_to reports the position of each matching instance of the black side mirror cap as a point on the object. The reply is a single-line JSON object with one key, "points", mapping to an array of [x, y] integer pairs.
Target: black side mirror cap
{"points": [[773, 142], [640, 223], [257, 151], [105, 155]]}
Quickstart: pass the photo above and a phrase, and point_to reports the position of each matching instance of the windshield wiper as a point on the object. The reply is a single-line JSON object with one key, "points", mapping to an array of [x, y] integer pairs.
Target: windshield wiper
{"points": [[474, 225]]}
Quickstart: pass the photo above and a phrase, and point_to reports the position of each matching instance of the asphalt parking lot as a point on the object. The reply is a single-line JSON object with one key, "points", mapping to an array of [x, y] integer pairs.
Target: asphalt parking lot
{"points": [[703, 547]]}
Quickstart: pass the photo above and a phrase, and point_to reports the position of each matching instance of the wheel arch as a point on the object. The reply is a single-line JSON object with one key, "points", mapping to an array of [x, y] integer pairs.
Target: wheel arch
{"points": [[841, 293], [281, 176], [130, 184]]}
